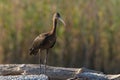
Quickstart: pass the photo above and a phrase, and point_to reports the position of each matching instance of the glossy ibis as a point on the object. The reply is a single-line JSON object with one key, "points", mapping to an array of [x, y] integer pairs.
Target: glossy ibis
{"points": [[47, 40]]}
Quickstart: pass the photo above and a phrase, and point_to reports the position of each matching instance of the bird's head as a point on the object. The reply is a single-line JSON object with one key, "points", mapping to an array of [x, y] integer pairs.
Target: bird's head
{"points": [[58, 17]]}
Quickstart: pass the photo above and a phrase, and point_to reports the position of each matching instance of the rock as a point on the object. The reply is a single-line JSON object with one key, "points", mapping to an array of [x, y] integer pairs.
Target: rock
{"points": [[32, 71], [25, 77], [89, 76]]}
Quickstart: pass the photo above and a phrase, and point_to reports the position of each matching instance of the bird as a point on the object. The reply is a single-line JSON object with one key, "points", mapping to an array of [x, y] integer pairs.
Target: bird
{"points": [[46, 41]]}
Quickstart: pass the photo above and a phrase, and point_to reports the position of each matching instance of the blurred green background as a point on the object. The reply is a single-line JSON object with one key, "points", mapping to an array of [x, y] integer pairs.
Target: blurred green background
{"points": [[90, 39]]}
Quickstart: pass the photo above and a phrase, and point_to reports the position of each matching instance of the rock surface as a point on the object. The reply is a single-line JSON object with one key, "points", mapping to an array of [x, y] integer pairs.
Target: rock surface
{"points": [[25, 77], [32, 71]]}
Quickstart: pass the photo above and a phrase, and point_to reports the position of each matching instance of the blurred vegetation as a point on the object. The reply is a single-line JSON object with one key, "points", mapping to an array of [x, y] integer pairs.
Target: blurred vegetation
{"points": [[90, 39]]}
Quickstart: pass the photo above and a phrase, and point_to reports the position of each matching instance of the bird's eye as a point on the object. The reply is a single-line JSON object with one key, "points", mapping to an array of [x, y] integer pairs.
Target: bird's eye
{"points": [[58, 15]]}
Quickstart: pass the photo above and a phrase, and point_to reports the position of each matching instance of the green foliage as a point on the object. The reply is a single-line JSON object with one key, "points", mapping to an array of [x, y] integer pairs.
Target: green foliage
{"points": [[90, 38]]}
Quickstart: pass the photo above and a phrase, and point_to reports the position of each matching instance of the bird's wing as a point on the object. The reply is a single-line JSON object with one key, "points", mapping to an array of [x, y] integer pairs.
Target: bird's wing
{"points": [[39, 40]]}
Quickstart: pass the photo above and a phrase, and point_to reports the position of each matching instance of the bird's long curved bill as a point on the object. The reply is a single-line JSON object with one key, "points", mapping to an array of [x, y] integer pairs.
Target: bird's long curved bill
{"points": [[62, 21]]}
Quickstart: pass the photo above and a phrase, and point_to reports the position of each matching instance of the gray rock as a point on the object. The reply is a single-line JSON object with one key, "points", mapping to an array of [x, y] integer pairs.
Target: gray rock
{"points": [[25, 77], [90, 76]]}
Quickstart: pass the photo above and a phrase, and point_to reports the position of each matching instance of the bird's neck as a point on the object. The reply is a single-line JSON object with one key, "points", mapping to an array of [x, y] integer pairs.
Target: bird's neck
{"points": [[53, 31]]}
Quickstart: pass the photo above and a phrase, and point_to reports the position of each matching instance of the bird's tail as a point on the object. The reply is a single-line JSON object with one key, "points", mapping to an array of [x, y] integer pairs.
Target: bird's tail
{"points": [[33, 51]]}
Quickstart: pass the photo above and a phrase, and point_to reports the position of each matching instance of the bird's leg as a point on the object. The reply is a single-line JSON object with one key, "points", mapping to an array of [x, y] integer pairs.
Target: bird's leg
{"points": [[40, 61], [45, 61]]}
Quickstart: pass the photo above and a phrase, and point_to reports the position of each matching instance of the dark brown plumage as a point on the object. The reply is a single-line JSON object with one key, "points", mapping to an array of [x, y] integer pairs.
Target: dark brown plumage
{"points": [[45, 41]]}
